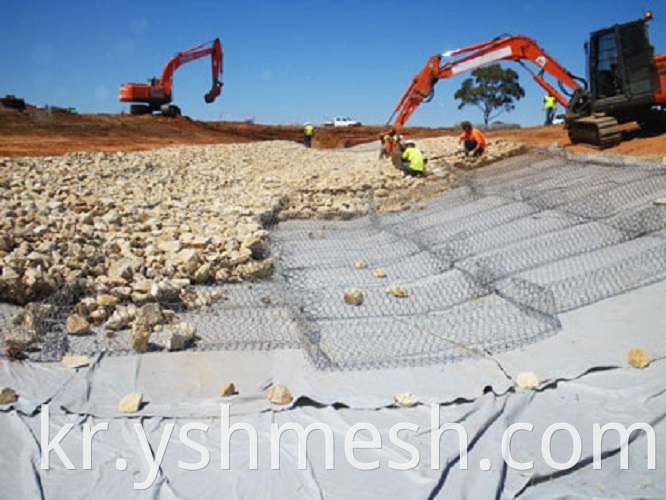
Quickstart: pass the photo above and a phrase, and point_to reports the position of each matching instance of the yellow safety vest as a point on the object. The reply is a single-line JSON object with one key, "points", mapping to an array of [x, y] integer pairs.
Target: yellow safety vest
{"points": [[309, 130], [415, 159], [549, 101]]}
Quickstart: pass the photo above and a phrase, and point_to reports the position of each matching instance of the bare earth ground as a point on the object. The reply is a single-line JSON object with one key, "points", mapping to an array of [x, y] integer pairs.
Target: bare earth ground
{"points": [[37, 132]]}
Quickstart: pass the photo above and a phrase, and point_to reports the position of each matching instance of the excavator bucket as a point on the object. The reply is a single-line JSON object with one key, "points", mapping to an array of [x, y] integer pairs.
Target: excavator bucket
{"points": [[391, 148], [214, 92], [396, 158]]}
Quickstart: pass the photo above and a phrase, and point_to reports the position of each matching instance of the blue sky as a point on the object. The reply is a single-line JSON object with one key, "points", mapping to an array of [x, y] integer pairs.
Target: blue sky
{"points": [[290, 61]]}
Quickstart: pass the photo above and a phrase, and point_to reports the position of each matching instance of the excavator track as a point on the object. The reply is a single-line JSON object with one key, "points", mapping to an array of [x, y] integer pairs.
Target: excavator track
{"points": [[600, 131]]}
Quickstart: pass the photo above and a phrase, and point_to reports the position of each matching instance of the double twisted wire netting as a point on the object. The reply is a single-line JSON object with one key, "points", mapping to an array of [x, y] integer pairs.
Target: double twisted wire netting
{"points": [[483, 269], [487, 268]]}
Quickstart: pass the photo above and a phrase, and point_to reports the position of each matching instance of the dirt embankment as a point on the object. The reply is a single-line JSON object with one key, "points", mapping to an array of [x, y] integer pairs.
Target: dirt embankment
{"points": [[39, 132]]}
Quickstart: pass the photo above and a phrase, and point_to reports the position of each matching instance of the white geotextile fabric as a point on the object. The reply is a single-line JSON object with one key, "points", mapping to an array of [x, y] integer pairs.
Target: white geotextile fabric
{"points": [[585, 379]]}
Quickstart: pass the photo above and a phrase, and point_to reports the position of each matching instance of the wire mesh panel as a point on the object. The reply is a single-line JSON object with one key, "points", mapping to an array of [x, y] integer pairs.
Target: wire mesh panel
{"points": [[401, 269], [329, 251], [586, 278], [480, 327], [624, 197], [440, 232], [467, 243], [431, 293], [485, 268], [541, 250], [415, 223]]}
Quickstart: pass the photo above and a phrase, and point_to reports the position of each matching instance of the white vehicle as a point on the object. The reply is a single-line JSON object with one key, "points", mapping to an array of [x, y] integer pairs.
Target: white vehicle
{"points": [[342, 121]]}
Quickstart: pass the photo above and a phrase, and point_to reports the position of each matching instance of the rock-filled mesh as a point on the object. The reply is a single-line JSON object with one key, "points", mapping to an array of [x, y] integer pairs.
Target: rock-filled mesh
{"points": [[486, 268]]}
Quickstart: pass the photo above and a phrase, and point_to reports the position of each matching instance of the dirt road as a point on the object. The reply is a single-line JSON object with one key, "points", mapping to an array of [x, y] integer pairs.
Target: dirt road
{"points": [[39, 132]]}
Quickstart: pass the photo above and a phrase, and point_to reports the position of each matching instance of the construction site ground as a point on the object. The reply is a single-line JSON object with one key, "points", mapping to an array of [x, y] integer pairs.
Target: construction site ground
{"points": [[39, 132], [524, 291]]}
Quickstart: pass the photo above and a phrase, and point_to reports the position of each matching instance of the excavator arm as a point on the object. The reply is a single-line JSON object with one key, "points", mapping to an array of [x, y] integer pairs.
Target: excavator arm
{"points": [[214, 49], [516, 48], [156, 95]]}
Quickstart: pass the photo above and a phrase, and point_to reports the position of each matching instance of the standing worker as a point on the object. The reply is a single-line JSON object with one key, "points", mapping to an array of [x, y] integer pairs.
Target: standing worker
{"points": [[549, 104], [309, 132], [412, 160], [472, 139]]}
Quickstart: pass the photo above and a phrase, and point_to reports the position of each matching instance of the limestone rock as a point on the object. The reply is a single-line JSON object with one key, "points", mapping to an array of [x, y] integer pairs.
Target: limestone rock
{"points": [[187, 330], [397, 291], [98, 316], [379, 273], [172, 246], [189, 258], [167, 291], [527, 380], [131, 403], [169, 338], [259, 269], [16, 340], [120, 319], [280, 395], [142, 286], [6, 243], [203, 274], [8, 396], [85, 306], [149, 315], [405, 399], [104, 300], [75, 360], [227, 390], [121, 271], [77, 325], [196, 241], [175, 338], [256, 247], [353, 297], [638, 358]]}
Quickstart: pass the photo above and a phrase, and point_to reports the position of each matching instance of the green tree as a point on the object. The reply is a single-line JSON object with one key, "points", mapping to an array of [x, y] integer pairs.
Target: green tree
{"points": [[492, 89]]}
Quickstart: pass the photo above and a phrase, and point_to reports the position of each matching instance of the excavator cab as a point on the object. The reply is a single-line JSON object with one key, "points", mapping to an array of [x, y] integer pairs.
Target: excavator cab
{"points": [[622, 71]]}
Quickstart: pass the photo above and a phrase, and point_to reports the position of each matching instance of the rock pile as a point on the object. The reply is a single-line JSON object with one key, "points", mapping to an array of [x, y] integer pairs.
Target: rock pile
{"points": [[143, 228]]}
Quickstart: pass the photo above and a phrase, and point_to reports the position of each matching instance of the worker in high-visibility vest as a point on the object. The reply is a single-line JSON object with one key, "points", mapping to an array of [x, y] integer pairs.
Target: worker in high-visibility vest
{"points": [[309, 132], [549, 104], [472, 139], [413, 163]]}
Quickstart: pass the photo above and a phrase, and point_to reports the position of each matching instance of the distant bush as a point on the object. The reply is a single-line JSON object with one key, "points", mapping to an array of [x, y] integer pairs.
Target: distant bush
{"points": [[503, 126]]}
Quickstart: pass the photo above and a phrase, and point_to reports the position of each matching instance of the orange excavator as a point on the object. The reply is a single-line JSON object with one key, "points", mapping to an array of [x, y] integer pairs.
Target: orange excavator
{"points": [[156, 95], [627, 82]]}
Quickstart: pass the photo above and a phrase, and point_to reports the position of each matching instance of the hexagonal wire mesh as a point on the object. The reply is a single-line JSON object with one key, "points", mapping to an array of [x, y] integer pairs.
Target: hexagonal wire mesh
{"points": [[487, 268]]}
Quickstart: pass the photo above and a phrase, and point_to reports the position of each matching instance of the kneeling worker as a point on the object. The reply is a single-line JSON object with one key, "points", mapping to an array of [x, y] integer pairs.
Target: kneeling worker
{"points": [[472, 139], [412, 160]]}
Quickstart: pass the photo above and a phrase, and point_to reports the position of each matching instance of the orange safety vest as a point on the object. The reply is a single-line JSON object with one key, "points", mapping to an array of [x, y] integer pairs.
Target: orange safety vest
{"points": [[476, 135]]}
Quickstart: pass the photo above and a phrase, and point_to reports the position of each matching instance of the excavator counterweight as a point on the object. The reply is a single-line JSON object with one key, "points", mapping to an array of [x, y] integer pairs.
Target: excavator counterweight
{"points": [[156, 94]]}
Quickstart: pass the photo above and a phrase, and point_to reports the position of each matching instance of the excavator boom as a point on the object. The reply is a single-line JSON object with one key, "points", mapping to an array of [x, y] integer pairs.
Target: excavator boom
{"points": [[509, 48], [156, 95]]}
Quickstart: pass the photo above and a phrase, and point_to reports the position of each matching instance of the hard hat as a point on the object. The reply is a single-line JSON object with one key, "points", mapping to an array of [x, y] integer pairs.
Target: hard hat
{"points": [[307, 123], [410, 142]]}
